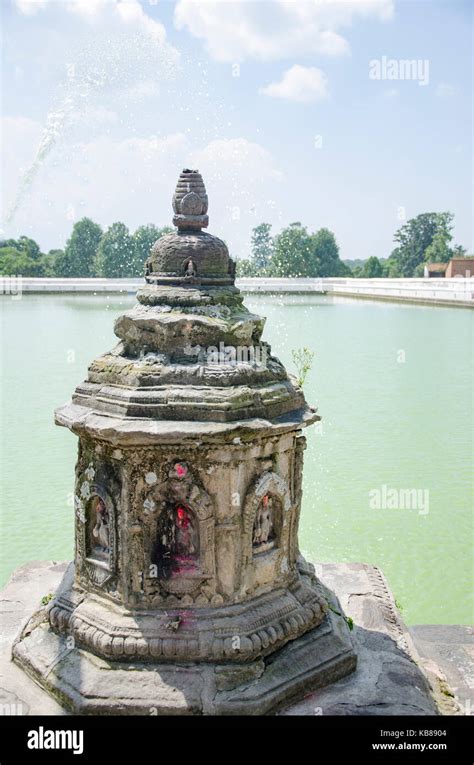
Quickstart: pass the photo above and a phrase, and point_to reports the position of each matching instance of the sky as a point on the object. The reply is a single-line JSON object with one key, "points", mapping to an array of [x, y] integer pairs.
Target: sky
{"points": [[292, 110]]}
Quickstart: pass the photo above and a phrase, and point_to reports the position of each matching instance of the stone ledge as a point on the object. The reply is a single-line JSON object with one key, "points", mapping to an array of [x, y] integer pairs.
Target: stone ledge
{"points": [[389, 679], [448, 651]]}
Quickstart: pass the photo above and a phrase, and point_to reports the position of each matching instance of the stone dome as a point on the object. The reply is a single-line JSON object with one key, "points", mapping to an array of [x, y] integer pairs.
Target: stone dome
{"points": [[190, 255], [185, 253]]}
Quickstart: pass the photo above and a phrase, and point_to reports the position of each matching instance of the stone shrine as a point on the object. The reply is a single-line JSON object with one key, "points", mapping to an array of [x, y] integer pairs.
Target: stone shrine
{"points": [[187, 593]]}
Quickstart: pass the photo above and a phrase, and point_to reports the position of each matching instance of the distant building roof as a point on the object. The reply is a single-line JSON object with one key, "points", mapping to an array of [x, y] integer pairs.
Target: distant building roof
{"points": [[436, 267]]}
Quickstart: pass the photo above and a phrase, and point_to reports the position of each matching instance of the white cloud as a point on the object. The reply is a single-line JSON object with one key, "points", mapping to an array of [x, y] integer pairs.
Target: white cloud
{"points": [[105, 178], [299, 83], [30, 7], [98, 115], [142, 89], [88, 8], [82, 7], [234, 31], [11, 126], [243, 183], [129, 12], [238, 153], [117, 56], [132, 180]]}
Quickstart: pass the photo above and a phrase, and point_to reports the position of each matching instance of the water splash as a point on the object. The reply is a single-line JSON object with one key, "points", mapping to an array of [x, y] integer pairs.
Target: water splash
{"points": [[56, 122], [108, 63]]}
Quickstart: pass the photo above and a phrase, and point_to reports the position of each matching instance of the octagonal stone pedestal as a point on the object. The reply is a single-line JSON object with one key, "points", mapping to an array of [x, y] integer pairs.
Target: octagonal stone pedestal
{"points": [[88, 684], [391, 678]]}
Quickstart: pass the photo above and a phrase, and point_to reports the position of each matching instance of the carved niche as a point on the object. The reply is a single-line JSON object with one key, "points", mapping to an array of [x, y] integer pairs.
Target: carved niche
{"points": [[96, 547], [178, 533], [266, 522]]}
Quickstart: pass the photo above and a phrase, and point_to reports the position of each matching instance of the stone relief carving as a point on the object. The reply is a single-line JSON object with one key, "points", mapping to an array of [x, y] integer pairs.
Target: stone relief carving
{"points": [[266, 523], [266, 509], [99, 521]]}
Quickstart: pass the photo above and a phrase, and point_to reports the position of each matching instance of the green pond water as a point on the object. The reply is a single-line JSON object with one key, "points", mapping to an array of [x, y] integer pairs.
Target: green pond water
{"points": [[392, 383]]}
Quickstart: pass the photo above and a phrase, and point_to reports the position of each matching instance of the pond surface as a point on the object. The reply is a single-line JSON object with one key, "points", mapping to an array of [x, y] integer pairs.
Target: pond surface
{"points": [[392, 383]]}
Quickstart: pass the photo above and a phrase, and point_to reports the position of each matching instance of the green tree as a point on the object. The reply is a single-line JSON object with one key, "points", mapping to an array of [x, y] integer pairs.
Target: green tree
{"points": [[420, 239], [81, 248], [293, 253], [14, 261], [326, 254], [22, 256], [143, 240], [261, 247], [439, 251], [30, 247], [372, 269], [115, 253], [50, 262], [459, 251], [245, 267]]}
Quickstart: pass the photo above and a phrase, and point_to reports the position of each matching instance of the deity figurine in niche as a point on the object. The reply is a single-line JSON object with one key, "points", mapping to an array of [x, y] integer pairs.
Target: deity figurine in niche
{"points": [[176, 549], [99, 520], [264, 525], [190, 268], [185, 532]]}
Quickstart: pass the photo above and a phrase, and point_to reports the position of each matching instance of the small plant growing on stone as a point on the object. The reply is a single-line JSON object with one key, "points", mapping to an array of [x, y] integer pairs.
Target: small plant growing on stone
{"points": [[303, 361], [348, 619], [47, 598]]}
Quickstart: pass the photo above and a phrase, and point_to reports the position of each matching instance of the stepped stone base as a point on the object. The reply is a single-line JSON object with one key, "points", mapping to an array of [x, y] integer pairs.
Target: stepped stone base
{"points": [[88, 684], [390, 678]]}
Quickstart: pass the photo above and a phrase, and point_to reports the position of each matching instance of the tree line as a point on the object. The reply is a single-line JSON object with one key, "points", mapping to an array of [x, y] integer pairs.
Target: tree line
{"points": [[293, 252], [89, 251]]}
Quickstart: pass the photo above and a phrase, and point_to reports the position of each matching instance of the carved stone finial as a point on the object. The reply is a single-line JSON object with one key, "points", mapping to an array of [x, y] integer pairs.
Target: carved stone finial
{"points": [[190, 202], [190, 255]]}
